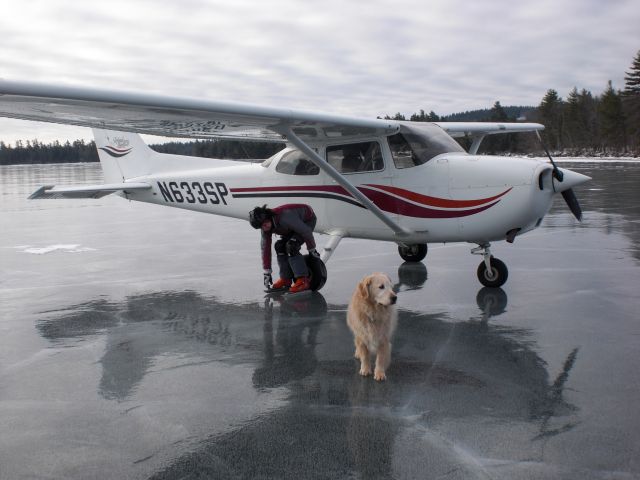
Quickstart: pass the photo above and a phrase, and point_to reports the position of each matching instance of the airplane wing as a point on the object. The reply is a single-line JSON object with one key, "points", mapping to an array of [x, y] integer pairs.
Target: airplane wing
{"points": [[176, 116], [87, 191], [473, 129], [198, 118], [478, 130]]}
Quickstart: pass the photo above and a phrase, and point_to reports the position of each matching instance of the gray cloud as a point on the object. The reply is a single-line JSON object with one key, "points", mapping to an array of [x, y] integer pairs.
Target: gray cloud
{"points": [[357, 58]]}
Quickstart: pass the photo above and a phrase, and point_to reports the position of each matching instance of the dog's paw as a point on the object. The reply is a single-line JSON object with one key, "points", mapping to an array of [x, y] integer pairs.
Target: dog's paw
{"points": [[379, 376], [365, 372]]}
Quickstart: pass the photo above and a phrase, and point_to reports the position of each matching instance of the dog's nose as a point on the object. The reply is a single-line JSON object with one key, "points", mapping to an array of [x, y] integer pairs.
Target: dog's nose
{"points": [[394, 299]]}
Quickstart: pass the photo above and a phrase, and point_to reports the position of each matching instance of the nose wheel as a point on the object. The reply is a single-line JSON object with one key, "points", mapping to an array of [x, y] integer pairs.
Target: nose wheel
{"points": [[492, 272]]}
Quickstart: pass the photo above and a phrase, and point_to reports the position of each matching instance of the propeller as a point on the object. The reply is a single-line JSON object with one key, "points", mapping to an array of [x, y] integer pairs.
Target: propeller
{"points": [[572, 202], [569, 197]]}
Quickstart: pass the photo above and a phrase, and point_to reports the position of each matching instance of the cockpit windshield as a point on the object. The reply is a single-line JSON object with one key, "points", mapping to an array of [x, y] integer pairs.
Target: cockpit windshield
{"points": [[416, 144]]}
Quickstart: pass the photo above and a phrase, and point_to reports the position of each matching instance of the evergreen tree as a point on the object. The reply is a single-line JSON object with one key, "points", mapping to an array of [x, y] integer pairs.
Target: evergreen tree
{"points": [[551, 113], [580, 130], [611, 119], [589, 119], [631, 102], [419, 117], [632, 78], [425, 117], [498, 114], [493, 144], [574, 122], [433, 117]]}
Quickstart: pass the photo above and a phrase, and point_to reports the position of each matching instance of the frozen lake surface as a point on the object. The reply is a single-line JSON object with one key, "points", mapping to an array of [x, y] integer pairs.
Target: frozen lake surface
{"points": [[135, 342]]}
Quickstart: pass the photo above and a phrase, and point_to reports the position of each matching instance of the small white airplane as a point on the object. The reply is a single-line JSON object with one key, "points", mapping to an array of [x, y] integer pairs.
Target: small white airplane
{"points": [[405, 182]]}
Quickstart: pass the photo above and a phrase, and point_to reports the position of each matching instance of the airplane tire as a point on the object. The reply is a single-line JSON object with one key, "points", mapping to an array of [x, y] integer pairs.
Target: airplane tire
{"points": [[413, 253], [317, 272], [499, 273]]}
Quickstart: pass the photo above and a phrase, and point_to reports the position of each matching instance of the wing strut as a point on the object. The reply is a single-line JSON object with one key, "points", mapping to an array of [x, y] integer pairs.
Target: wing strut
{"points": [[343, 182], [330, 247], [477, 140]]}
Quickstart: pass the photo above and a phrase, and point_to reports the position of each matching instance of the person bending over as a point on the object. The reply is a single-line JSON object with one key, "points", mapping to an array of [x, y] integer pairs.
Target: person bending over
{"points": [[294, 223]]}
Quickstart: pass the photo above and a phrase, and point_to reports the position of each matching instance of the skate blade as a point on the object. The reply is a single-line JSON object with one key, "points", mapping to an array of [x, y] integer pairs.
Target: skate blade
{"points": [[273, 291]]}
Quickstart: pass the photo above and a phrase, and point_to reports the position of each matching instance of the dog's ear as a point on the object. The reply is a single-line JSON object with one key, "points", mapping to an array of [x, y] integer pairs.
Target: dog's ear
{"points": [[390, 282], [363, 287]]}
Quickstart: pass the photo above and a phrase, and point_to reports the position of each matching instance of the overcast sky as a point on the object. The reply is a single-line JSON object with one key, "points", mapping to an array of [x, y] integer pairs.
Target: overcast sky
{"points": [[364, 58]]}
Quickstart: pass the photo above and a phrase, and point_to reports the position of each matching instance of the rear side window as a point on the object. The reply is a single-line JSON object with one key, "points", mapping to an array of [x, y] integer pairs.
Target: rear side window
{"points": [[355, 157]]}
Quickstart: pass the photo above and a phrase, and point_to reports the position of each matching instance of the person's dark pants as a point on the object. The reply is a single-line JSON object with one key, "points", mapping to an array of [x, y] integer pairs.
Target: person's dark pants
{"points": [[290, 261]]}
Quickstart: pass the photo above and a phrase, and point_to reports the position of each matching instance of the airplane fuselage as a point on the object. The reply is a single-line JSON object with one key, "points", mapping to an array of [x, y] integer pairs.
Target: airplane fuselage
{"points": [[453, 197]]}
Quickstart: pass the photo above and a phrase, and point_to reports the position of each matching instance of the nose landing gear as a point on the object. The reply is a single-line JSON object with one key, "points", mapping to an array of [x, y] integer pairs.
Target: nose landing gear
{"points": [[491, 272]]}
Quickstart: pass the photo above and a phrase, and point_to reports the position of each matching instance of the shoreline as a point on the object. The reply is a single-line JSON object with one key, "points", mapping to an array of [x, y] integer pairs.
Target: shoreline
{"points": [[556, 159]]}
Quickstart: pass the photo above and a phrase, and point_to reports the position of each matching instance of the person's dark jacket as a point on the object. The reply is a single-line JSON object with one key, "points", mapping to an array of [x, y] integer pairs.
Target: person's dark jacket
{"points": [[292, 218]]}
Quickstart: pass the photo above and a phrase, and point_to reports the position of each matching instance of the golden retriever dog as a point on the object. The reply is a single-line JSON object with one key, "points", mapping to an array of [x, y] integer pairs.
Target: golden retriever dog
{"points": [[372, 318]]}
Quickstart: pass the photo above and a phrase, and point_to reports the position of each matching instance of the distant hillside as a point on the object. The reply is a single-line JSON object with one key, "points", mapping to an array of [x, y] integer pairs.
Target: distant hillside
{"points": [[513, 112]]}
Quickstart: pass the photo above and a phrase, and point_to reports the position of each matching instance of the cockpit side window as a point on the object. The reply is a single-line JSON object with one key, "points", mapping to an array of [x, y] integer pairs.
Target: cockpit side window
{"points": [[417, 144], [403, 156], [296, 163]]}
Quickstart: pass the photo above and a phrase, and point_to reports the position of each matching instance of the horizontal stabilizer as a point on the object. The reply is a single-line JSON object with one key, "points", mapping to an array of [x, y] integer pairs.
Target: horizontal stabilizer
{"points": [[86, 191]]}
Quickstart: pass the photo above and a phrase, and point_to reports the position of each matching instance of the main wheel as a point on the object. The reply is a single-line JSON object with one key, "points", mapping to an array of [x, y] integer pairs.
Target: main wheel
{"points": [[317, 272], [413, 253], [494, 278]]}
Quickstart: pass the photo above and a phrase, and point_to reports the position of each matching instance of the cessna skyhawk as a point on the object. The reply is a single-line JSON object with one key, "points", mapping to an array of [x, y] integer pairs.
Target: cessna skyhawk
{"points": [[409, 183]]}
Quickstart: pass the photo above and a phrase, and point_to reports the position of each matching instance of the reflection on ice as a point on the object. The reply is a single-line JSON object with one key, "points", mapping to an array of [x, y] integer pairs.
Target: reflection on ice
{"points": [[75, 248], [442, 373], [555, 405], [411, 276], [491, 302], [289, 354]]}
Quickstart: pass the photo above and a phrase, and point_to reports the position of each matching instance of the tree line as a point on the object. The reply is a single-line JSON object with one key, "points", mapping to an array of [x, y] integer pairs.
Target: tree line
{"points": [[33, 151], [582, 124]]}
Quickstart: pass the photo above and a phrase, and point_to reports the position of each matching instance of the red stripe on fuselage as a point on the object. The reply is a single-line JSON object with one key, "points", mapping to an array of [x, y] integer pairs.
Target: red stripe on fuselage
{"points": [[392, 204], [435, 201]]}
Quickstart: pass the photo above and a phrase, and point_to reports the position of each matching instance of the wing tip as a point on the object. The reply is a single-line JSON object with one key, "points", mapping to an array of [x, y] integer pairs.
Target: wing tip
{"points": [[41, 192]]}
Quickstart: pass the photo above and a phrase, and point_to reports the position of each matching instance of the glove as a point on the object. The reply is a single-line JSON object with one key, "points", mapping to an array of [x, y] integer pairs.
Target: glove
{"points": [[266, 278], [314, 253]]}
